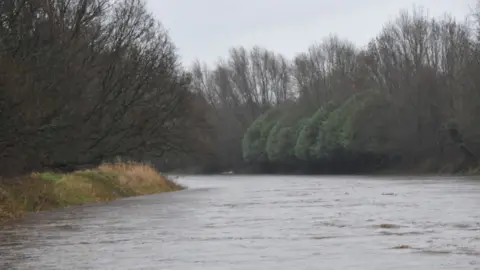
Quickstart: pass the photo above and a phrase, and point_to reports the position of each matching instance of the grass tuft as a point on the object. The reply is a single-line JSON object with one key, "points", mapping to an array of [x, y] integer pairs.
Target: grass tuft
{"points": [[140, 177]]}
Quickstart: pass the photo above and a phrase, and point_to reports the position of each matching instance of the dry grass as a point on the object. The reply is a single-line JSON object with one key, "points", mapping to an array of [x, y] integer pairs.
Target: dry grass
{"points": [[140, 177], [23, 194], [43, 191], [7, 209]]}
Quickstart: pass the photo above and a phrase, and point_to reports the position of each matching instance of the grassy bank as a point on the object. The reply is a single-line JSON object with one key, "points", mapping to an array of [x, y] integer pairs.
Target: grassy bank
{"points": [[109, 181]]}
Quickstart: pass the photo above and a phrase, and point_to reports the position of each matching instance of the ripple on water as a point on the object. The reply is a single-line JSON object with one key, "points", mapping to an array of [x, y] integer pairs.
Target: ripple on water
{"points": [[390, 233], [387, 226]]}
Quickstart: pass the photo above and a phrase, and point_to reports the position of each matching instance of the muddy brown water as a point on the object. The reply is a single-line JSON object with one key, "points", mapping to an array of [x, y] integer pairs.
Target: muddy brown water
{"points": [[261, 222]]}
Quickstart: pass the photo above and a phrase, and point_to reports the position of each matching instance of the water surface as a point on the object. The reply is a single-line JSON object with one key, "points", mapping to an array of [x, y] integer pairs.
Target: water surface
{"points": [[260, 222]]}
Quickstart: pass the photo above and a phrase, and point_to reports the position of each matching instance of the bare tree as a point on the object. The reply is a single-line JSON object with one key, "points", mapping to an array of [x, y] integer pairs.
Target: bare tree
{"points": [[420, 64], [87, 80], [327, 72]]}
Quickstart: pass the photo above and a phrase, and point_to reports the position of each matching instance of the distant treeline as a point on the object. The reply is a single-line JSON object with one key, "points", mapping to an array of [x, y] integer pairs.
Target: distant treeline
{"points": [[410, 99]]}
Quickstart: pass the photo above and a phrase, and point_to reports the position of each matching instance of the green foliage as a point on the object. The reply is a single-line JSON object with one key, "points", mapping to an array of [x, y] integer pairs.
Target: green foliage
{"points": [[309, 132], [50, 176], [337, 132], [256, 136], [283, 136], [288, 134], [280, 145], [273, 142]]}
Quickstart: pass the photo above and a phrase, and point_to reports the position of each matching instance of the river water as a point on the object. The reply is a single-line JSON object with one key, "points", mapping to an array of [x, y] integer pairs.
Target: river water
{"points": [[267, 222]]}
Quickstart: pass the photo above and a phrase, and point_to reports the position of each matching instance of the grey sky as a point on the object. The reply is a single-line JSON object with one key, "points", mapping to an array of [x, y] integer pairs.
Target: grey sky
{"points": [[206, 29]]}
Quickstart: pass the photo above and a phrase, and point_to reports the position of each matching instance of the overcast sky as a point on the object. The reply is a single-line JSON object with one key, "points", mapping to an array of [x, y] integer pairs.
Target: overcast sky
{"points": [[206, 29]]}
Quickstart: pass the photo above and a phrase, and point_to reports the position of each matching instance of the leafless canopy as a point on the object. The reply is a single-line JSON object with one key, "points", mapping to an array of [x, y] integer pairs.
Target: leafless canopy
{"points": [[86, 80]]}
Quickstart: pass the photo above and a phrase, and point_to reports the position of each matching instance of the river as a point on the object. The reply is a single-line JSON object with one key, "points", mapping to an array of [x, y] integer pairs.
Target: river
{"points": [[261, 222]]}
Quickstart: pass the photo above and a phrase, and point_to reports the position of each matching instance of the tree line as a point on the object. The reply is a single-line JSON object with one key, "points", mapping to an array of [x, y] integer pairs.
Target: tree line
{"points": [[85, 81], [409, 99]]}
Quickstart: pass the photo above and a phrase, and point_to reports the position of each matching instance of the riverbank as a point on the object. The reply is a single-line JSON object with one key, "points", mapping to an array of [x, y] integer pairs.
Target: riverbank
{"points": [[109, 181], [426, 167]]}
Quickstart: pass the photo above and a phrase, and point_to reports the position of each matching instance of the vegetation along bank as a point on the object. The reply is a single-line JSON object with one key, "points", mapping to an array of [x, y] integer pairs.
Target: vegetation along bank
{"points": [[42, 191]]}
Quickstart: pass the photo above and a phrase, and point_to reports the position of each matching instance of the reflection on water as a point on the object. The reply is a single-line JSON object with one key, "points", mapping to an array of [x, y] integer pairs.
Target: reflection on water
{"points": [[234, 222]]}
